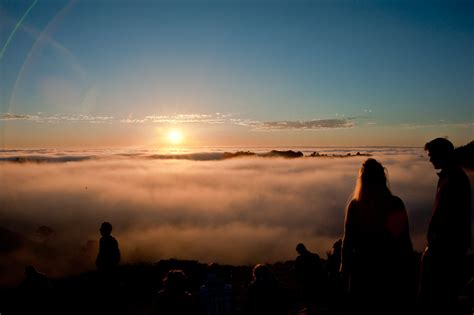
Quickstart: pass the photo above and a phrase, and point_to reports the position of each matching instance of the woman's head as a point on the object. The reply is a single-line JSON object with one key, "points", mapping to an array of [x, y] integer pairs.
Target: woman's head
{"points": [[372, 181], [262, 272], [175, 280]]}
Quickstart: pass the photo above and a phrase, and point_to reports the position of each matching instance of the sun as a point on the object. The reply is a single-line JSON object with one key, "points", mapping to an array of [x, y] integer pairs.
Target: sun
{"points": [[175, 137]]}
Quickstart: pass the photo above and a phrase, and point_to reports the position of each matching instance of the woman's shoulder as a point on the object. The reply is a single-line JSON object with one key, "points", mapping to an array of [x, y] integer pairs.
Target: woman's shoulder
{"points": [[354, 203], [397, 202]]}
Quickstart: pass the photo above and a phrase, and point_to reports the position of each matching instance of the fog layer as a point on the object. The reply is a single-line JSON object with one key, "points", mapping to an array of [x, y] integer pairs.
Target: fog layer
{"points": [[239, 211]]}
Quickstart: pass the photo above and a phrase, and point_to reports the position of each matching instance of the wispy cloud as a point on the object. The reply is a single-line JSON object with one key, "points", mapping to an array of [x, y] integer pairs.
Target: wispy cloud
{"points": [[9, 116], [181, 119], [42, 118], [370, 123], [215, 118], [300, 124], [438, 124], [78, 118]]}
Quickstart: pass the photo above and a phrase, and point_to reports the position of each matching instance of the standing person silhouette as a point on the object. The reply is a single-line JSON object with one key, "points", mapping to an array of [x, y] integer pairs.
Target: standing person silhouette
{"points": [[449, 232], [109, 253], [377, 252], [106, 262]]}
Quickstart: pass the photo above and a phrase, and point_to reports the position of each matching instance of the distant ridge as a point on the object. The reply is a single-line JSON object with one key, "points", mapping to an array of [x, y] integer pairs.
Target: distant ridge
{"points": [[464, 154], [197, 156], [273, 153], [45, 159]]}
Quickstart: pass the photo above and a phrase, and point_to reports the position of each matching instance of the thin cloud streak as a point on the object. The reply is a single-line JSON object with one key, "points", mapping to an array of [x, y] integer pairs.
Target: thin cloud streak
{"points": [[9, 116], [57, 118], [440, 124], [301, 124], [211, 119]]}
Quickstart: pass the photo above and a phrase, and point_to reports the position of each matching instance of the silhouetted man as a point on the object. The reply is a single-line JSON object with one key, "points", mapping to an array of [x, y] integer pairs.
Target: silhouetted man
{"points": [[449, 232], [109, 253]]}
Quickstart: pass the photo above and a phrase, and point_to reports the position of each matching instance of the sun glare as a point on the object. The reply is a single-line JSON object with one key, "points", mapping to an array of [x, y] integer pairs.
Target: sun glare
{"points": [[175, 137]]}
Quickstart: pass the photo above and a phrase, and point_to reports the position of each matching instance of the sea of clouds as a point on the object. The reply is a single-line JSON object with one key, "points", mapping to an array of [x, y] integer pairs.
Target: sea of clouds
{"points": [[235, 211]]}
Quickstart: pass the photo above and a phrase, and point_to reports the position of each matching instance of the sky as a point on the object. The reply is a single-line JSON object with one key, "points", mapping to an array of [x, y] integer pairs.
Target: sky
{"points": [[235, 73]]}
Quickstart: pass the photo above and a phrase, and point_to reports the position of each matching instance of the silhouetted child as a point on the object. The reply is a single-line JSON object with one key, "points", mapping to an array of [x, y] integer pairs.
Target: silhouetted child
{"points": [[109, 253], [215, 294], [265, 294], [173, 299]]}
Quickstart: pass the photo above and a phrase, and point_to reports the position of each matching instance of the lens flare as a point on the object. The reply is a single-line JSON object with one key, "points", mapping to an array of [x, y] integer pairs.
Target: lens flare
{"points": [[18, 24]]}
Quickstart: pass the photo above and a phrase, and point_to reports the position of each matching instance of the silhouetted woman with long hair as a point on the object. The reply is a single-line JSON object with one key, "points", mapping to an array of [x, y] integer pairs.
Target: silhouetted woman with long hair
{"points": [[173, 299], [377, 254]]}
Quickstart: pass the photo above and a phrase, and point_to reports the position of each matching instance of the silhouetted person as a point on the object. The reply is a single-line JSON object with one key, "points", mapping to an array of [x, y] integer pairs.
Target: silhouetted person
{"points": [[109, 253], [107, 288], [215, 295], [35, 293], [334, 257], [449, 231], [335, 287], [309, 274], [265, 294], [173, 299], [377, 253]]}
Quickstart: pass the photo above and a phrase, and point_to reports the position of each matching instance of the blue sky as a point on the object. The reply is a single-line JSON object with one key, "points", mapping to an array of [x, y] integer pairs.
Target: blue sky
{"points": [[246, 72]]}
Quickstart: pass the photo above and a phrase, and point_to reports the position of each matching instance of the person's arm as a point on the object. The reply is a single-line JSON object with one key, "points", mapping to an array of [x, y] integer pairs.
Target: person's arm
{"points": [[399, 227], [348, 241], [98, 260], [116, 252], [457, 219], [450, 225]]}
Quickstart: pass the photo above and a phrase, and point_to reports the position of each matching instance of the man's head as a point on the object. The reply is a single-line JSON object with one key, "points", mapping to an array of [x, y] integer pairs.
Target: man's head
{"points": [[105, 229], [440, 151], [301, 249], [30, 271]]}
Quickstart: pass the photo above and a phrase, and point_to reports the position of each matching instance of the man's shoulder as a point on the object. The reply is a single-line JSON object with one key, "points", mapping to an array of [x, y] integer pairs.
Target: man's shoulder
{"points": [[457, 176], [108, 239]]}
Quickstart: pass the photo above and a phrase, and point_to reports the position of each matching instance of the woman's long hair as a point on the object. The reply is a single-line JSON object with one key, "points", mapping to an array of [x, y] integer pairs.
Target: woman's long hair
{"points": [[372, 182]]}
